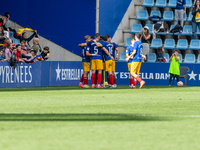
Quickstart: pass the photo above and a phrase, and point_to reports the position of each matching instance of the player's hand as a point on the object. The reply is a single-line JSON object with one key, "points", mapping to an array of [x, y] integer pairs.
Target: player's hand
{"points": [[112, 58], [94, 40], [145, 58], [96, 54], [127, 59], [184, 11], [116, 57]]}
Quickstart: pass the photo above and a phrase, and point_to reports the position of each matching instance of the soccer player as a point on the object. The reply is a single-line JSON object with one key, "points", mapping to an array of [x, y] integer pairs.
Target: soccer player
{"points": [[85, 62], [97, 62], [137, 59], [110, 64], [129, 51]]}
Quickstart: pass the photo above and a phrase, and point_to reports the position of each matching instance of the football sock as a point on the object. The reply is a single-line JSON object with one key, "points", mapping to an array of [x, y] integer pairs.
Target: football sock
{"points": [[138, 78], [102, 80], [131, 82], [85, 81], [99, 78], [111, 80], [82, 78], [93, 79], [134, 82], [115, 81]]}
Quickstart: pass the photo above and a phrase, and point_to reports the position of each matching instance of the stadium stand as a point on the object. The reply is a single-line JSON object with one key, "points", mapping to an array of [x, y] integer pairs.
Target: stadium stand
{"points": [[169, 44], [142, 16], [128, 42], [155, 13], [122, 57], [187, 30], [150, 28], [156, 43], [168, 16], [195, 46], [188, 3], [182, 44], [180, 58], [189, 58], [136, 28], [160, 3], [151, 58], [190, 17], [166, 55], [198, 59], [148, 4], [172, 3]]}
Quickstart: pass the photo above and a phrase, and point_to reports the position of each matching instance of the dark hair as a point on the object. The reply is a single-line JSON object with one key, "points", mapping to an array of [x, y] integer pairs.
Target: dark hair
{"points": [[91, 37], [196, 4], [46, 48], [105, 38], [138, 35], [1, 49], [97, 35], [23, 41], [133, 38], [108, 36], [18, 45], [160, 50], [23, 34], [6, 14], [2, 30]]}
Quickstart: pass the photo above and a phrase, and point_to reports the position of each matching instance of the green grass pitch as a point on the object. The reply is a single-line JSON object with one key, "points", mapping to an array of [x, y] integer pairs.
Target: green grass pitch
{"points": [[71, 118]]}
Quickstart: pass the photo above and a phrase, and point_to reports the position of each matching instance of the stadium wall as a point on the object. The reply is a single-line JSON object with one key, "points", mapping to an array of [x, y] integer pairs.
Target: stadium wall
{"points": [[62, 22], [64, 73]]}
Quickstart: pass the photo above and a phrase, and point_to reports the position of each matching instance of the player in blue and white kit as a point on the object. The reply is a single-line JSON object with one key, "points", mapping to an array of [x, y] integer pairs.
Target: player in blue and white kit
{"points": [[129, 51], [137, 59]]}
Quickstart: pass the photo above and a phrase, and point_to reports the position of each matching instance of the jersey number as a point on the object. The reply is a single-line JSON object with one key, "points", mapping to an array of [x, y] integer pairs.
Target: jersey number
{"points": [[95, 49], [110, 50], [83, 54]]}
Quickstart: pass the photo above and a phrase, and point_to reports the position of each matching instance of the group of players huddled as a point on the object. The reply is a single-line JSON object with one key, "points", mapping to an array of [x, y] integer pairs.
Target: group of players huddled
{"points": [[101, 52]]}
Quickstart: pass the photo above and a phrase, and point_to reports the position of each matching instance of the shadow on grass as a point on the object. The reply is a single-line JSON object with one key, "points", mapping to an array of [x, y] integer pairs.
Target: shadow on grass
{"points": [[80, 117], [76, 88]]}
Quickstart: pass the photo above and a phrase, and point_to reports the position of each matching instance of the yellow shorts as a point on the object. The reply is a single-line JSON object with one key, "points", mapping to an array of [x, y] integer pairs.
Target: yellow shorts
{"points": [[86, 66], [110, 65], [135, 67], [97, 64], [129, 67]]}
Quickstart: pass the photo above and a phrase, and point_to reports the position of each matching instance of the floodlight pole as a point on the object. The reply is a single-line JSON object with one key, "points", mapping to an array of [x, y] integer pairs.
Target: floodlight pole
{"points": [[97, 16]]}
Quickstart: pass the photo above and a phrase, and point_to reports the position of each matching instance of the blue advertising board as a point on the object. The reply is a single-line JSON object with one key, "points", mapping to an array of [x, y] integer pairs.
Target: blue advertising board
{"points": [[61, 73]]}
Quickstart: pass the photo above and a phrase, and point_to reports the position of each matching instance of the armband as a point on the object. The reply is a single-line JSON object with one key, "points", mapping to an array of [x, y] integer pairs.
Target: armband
{"points": [[93, 54]]}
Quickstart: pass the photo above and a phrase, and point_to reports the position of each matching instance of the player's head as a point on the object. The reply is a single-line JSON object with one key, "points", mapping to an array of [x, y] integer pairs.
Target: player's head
{"points": [[109, 38], [133, 40], [97, 36], [175, 52], [1, 51], [91, 38], [105, 38], [137, 36], [87, 38]]}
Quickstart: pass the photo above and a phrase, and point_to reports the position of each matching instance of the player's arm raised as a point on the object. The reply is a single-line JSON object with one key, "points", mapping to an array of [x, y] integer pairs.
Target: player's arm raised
{"points": [[82, 44], [106, 51]]}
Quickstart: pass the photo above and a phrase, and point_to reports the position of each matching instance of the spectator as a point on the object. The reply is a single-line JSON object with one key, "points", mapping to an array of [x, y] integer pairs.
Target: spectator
{"points": [[174, 70], [7, 21], [13, 59], [32, 52], [45, 53], [179, 11], [1, 53], [2, 35], [195, 19], [8, 50], [3, 21], [23, 45], [145, 40], [160, 55], [18, 53], [36, 46], [28, 52], [24, 38]]}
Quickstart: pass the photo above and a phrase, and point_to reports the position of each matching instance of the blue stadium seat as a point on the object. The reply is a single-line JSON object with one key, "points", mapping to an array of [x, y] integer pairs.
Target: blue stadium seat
{"points": [[156, 43], [189, 58], [180, 58], [188, 3], [168, 16], [136, 28], [155, 13], [166, 55], [187, 30], [128, 42], [169, 44], [148, 3], [142, 15], [160, 3], [150, 28], [11, 34], [172, 3], [182, 44], [190, 17], [172, 26], [16, 41], [198, 59], [122, 57], [151, 57], [194, 45], [198, 32]]}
